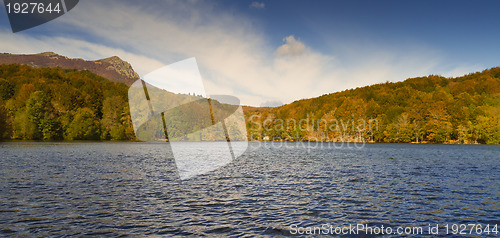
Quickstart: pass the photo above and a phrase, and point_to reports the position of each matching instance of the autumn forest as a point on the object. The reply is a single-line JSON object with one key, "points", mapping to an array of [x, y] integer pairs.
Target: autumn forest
{"points": [[48, 104]]}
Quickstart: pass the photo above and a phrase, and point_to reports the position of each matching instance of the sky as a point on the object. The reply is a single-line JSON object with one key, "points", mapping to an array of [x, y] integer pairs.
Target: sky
{"points": [[268, 53]]}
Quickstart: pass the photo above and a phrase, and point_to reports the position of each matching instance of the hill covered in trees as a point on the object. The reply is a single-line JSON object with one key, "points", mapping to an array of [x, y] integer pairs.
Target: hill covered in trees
{"points": [[67, 104], [425, 109], [57, 104]]}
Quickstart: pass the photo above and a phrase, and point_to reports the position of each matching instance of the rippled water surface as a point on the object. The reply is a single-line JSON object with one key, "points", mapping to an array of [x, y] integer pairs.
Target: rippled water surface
{"points": [[132, 189]]}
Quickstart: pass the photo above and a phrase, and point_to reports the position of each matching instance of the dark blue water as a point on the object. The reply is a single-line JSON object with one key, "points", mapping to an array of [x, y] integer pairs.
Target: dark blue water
{"points": [[132, 189]]}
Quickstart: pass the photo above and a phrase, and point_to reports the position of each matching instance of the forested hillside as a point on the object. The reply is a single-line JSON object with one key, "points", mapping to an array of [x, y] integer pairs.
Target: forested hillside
{"points": [[57, 104], [64, 104], [425, 109]]}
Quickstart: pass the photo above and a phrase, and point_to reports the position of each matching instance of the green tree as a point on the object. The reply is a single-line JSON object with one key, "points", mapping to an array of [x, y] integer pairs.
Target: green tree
{"points": [[51, 129], [118, 132], [84, 126], [404, 130], [111, 114], [24, 128], [4, 122], [488, 128], [37, 108]]}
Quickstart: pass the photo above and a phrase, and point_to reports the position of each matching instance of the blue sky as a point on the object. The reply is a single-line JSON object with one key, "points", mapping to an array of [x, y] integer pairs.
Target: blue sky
{"points": [[463, 30], [272, 52]]}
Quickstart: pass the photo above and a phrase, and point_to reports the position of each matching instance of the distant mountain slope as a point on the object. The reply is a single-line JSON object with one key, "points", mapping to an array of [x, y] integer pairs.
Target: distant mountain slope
{"points": [[112, 68], [431, 109]]}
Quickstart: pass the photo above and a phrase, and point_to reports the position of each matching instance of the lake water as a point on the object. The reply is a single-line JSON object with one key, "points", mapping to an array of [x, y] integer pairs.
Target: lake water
{"points": [[133, 189]]}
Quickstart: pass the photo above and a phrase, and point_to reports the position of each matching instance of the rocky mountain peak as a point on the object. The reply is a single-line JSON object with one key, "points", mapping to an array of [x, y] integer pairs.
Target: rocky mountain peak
{"points": [[120, 66], [49, 54]]}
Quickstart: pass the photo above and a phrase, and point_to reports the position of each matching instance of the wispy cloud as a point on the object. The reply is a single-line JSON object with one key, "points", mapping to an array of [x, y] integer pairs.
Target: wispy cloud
{"points": [[463, 70], [258, 5], [275, 103]]}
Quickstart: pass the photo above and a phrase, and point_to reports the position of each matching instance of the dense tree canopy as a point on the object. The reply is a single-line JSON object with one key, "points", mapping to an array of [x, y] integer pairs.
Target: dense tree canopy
{"points": [[56, 104], [61, 104], [431, 109]]}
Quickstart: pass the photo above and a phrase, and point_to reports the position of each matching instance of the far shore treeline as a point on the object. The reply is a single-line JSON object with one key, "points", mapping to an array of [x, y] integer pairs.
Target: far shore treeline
{"points": [[50, 104], [430, 109]]}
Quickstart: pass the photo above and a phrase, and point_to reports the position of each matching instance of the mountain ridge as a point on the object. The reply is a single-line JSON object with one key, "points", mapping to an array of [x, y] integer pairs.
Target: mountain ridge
{"points": [[112, 68]]}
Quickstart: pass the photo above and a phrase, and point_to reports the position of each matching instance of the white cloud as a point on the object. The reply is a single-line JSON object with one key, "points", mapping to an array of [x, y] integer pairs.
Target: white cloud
{"points": [[259, 5], [272, 103], [291, 47]]}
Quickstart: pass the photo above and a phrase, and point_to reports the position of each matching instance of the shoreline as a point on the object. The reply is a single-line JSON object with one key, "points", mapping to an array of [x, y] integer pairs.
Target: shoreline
{"points": [[271, 141]]}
